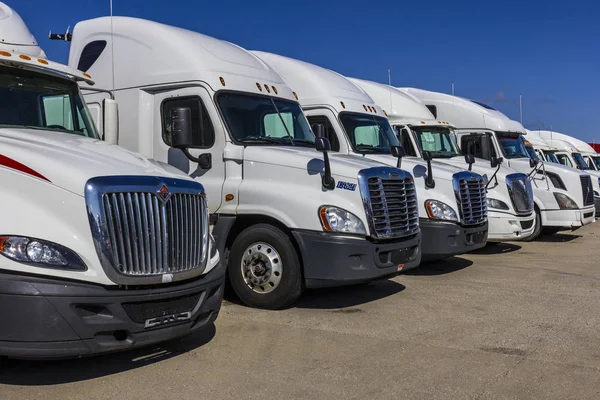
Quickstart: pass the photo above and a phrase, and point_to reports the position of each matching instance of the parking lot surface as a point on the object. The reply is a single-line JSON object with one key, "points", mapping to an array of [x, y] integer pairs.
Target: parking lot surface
{"points": [[516, 320]]}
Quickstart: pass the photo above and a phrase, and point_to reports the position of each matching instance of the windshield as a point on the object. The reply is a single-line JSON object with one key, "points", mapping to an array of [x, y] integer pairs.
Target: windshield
{"points": [[263, 120], [368, 133], [550, 156], [39, 101], [512, 145], [596, 161], [531, 152], [441, 142], [581, 164]]}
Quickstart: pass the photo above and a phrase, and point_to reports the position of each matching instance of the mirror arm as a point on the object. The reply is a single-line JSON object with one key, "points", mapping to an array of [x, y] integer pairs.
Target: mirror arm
{"points": [[327, 181], [429, 182], [204, 161], [493, 176]]}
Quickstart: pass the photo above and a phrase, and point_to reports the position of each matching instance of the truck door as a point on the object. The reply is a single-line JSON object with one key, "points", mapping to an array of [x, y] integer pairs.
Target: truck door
{"points": [[319, 117], [94, 103], [208, 137]]}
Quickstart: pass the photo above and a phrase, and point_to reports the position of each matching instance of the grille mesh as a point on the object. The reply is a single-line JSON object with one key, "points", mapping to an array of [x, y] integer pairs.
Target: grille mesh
{"points": [[150, 237], [588, 190], [393, 206], [471, 197]]}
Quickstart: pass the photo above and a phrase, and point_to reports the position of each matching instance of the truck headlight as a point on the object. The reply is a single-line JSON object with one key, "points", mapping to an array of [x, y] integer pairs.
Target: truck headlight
{"points": [[438, 210], [497, 204], [565, 202], [335, 219], [40, 253]]}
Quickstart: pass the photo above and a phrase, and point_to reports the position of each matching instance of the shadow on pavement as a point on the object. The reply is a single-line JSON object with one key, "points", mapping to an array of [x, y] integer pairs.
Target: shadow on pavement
{"points": [[557, 238], [38, 373], [348, 296], [440, 267], [497, 248]]}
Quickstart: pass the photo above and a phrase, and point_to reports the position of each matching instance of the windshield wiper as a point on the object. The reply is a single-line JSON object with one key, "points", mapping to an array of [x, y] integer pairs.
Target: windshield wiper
{"points": [[258, 139], [372, 148], [304, 141]]}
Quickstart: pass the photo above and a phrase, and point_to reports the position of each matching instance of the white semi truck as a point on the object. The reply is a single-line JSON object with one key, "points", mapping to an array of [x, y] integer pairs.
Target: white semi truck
{"points": [[509, 193], [451, 202], [286, 215], [563, 196], [101, 249]]}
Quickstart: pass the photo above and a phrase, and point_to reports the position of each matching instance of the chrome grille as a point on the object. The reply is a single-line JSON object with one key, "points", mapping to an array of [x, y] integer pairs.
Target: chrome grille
{"points": [[521, 193], [148, 227], [470, 193], [588, 190], [390, 202]]}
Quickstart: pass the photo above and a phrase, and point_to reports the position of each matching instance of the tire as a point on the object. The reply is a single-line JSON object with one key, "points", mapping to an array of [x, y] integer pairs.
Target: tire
{"points": [[537, 230], [264, 268]]}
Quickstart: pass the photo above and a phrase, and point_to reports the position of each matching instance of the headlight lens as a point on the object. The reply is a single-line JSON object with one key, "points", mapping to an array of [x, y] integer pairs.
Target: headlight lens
{"points": [[438, 210], [336, 219], [497, 204], [213, 246], [39, 253], [565, 202]]}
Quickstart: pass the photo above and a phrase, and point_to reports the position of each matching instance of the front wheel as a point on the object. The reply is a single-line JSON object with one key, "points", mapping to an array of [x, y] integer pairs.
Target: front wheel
{"points": [[264, 268], [537, 228]]}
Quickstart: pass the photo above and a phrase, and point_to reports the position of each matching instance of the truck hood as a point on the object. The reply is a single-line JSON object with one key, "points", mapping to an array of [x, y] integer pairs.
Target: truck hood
{"points": [[68, 161], [417, 166], [308, 159]]}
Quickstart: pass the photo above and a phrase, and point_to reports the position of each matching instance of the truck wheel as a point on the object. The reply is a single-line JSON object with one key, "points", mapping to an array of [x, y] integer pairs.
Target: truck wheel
{"points": [[264, 268], [537, 228]]}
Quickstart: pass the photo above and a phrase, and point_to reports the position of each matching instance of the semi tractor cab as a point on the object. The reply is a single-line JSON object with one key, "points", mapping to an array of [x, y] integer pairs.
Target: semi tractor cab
{"points": [[286, 213], [451, 203], [563, 196], [509, 194], [536, 146], [101, 249]]}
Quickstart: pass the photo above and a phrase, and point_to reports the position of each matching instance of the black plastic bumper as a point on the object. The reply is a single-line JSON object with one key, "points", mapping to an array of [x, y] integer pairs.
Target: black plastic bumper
{"points": [[50, 318], [445, 239], [337, 260], [597, 204]]}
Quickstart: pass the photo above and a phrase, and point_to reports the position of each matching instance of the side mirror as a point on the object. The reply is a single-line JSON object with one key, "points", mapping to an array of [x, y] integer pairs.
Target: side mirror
{"points": [[470, 159], [533, 163], [181, 128], [398, 152], [318, 130], [495, 161], [110, 121], [427, 155], [322, 144]]}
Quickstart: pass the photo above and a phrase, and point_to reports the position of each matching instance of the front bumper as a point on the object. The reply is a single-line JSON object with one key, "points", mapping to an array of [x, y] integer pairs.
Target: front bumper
{"points": [[446, 239], [570, 219], [337, 260], [46, 318], [597, 206], [504, 226]]}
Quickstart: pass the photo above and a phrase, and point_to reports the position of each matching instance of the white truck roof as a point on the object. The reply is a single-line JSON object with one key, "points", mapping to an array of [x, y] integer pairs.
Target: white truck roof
{"points": [[399, 106], [314, 85], [578, 145], [15, 37], [466, 114], [150, 53], [537, 141]]}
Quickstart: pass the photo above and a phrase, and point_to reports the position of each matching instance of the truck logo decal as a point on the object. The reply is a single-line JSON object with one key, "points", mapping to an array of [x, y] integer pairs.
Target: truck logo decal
{"points": [[346, 185], [164, 192], [168, 319]]}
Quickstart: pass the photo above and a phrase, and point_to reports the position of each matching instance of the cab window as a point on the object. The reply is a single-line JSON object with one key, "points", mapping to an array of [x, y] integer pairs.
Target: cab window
{"points": [[203, 133], [329, 130], [480, 146]]}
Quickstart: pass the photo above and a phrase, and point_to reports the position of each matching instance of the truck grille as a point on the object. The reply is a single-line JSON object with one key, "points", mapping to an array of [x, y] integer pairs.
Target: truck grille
{"points": [[470, 192], [588, 190], [158, 229], [390, 202], [521, 193]]}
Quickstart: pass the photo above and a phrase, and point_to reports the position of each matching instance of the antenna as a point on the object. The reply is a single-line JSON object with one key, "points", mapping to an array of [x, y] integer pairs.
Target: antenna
{"points": [[452, 88], [112, 45], [521, 107], [390, 87]]}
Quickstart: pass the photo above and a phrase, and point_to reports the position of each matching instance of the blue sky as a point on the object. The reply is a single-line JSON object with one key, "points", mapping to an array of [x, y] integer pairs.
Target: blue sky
{"points": [[492, 50]]}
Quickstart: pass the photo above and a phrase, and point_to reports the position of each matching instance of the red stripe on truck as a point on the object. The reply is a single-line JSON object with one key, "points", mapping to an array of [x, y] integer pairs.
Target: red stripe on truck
{"points": [[13, 164]]}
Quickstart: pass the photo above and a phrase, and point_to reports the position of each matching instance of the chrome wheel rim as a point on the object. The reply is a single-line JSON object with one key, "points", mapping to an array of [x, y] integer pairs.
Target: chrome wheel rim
{"points": [[261, 267]]}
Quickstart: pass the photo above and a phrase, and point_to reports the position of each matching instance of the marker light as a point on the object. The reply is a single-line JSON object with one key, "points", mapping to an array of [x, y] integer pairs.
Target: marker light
{"points": [[5, 54], [258, 86], [24, 57], [222, 80], [295, 95], [365, 107], [423, 122], [267, 88], [274, 89], [87, 76], [41, 61], [343, 105]]}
